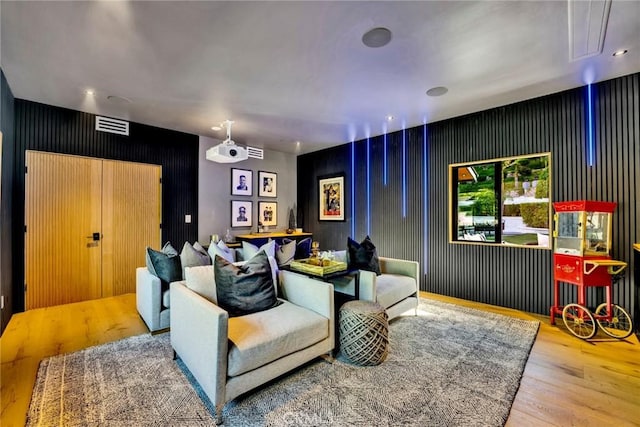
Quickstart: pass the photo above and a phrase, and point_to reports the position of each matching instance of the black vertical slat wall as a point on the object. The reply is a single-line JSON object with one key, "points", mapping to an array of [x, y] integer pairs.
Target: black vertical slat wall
{"points": [[616, 171], [379, 212], [53, 129], [7, 126], [520, 278], [310, 169]]}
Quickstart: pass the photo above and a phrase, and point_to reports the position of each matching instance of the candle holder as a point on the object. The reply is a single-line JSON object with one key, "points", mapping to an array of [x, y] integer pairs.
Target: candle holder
{"points": [[315, 249]]}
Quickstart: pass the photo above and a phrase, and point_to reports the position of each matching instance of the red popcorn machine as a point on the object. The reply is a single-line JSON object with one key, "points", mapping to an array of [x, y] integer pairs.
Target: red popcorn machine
{"points": [[582, 257]]}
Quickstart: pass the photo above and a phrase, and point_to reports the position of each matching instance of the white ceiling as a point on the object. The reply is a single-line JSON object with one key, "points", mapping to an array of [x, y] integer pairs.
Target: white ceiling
{"points": [[298, 71]]}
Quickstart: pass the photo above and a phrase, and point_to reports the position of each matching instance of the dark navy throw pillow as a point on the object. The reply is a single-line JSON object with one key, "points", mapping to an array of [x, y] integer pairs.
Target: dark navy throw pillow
{"points": [[363, 256], [247, 288]]}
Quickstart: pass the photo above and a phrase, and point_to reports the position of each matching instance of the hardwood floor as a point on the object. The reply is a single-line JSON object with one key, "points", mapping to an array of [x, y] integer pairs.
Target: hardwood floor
{"points": [[36, 334], [566, 382]]}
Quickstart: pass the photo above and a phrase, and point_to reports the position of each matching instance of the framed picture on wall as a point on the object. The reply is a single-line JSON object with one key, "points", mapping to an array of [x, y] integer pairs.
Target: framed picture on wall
{"points": [[268, 213], [241, 182], [268, 184], [331, 195], [241, 213]]}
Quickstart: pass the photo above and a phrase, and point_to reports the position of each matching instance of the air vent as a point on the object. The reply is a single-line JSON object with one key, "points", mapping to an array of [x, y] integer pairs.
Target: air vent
{"points": [[255, 153], [587, 27], [105, 124]]}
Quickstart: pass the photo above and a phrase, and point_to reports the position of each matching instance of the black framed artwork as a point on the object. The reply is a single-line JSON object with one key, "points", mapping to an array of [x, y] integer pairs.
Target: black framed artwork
{"points": [[268, 184], [331, 198], [268, 213], [241, 213], [241, 182]]}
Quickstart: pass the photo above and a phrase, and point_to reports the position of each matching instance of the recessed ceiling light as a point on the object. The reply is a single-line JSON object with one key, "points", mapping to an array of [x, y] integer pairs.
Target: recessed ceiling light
{"points": [[118, 99], [216, 127], [377, 37], [437, 91], [620, 52], [89, 92], [389, 117]]}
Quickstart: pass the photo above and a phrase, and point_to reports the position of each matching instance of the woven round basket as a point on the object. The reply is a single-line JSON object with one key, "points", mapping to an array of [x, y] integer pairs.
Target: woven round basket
{"points": [[364, 332]]}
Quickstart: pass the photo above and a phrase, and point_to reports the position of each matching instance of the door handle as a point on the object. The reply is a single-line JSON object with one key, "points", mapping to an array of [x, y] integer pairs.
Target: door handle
{"points": [[95, 237]]}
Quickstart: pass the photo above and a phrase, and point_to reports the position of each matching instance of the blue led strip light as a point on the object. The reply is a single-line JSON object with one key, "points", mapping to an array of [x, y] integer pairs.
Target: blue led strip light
{"points": [[590, 141], [368, 188], [404, 173], [424, 197], [384, 172], [353, 186]]}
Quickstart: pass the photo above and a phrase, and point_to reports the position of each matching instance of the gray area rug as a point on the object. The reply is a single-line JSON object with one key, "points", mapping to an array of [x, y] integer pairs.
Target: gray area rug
{"points": [[450, 366]]}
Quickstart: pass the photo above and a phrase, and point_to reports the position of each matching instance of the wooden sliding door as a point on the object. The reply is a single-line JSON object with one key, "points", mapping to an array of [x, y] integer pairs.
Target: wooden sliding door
{"points": [[88, 222]]}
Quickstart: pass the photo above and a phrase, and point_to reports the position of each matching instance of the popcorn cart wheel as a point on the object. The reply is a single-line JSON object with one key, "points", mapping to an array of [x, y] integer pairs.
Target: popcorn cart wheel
{"points": [[612, 319]]}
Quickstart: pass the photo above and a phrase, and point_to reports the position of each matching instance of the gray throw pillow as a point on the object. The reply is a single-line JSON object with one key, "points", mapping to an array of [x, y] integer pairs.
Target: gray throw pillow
{"points": [[285, 253], [247, 288], [166, 267], [191, 257], [198, 247], [303, 247], [201, 281], [249, 250], [221, 250], [167, 249]]}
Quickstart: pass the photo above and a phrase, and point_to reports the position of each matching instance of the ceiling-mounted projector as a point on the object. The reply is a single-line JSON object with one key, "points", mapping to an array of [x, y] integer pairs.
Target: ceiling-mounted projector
{"points": [[227, 151]]}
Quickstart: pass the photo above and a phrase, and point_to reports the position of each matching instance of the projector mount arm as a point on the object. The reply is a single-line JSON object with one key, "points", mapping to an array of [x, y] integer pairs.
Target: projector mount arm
{"points": [[227, 124]]}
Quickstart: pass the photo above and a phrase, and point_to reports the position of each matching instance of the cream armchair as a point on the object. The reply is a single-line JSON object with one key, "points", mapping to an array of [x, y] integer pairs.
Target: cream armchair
{"points": [[231, 356], [396, 289], [151, 301]]}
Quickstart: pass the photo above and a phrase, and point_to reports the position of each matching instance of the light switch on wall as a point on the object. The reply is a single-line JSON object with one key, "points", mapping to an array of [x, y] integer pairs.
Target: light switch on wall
{"points": [[187, 219]]}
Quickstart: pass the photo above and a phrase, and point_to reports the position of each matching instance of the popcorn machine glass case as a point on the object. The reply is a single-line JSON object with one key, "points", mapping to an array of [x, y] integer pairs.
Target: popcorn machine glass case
{"points": [[583, 228]]}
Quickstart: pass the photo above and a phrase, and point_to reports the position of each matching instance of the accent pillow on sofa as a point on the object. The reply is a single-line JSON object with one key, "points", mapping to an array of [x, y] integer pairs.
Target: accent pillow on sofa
{"points": [[245, 289], [191, 256], [167, 267], [198, 247], [303, 247], [363, 256], [221, 250], [286, 253], [167, 249], [201, 280], [249, 250]]}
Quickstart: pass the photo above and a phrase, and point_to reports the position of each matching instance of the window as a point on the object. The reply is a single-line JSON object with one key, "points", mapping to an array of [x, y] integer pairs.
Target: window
{"points": [[501, 201]]}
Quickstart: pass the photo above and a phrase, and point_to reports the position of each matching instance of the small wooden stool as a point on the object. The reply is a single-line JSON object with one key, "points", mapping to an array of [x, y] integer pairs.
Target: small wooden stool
{"points": [[364, 332]]}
